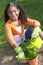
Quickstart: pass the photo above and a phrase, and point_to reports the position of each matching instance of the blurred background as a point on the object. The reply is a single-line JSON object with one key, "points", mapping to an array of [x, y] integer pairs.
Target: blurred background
{"points": [[33, 9]]}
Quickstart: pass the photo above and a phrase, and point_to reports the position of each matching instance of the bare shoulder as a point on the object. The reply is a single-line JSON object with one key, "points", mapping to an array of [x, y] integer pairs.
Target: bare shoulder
{"points": [[7, 27], [7, 24]]}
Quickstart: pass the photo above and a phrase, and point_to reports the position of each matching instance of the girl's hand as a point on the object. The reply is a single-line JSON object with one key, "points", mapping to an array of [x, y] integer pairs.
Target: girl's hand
{"points": [[15, 45]]}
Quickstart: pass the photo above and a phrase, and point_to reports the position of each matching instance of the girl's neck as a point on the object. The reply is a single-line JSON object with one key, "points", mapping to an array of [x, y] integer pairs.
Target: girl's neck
{"points": [[16, 23]]}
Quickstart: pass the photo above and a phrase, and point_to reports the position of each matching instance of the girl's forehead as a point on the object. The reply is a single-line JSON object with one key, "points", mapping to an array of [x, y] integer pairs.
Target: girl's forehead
{"points": [[12, 8]]}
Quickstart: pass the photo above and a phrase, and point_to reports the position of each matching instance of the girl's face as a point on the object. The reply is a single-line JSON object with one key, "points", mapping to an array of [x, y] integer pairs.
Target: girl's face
{"points": [[13, 13]]}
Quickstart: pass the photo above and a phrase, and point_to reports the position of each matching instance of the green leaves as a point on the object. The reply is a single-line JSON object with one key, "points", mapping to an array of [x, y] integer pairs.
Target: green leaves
{"points": [[26, 51]]}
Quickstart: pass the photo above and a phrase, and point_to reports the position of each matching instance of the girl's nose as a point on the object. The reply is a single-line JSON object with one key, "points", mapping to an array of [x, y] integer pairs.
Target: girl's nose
{"points": [[13, 13]]}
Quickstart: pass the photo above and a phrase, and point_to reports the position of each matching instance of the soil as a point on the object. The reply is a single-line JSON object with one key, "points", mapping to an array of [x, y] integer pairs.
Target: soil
{"points": [[7, 57]]}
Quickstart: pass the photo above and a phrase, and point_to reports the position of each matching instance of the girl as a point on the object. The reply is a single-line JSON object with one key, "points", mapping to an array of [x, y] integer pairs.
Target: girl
{"points": [[15, 21]]}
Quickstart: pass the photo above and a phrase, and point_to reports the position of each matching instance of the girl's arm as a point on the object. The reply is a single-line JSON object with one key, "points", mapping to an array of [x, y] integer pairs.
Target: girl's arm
{"points": [[10, 36], [33, 22], [41, 34]]}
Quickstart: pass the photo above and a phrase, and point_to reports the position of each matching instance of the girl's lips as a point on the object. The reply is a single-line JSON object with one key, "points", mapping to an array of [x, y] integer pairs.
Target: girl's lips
{"points": [[14, 17]]}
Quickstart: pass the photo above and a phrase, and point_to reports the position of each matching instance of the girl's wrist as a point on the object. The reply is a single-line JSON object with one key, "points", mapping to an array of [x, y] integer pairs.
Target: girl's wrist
{"points": [[15, 45]]}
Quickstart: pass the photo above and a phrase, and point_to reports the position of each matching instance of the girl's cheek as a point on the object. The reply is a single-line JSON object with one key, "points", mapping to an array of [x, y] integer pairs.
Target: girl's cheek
{"points": [[17, 13]]}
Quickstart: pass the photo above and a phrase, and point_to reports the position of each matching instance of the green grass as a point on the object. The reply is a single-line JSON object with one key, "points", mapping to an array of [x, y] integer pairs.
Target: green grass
{"points": [[33, 9]]}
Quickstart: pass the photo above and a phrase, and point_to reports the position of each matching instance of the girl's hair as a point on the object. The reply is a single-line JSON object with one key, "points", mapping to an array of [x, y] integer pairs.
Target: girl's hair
{"points": [[22, 15]]}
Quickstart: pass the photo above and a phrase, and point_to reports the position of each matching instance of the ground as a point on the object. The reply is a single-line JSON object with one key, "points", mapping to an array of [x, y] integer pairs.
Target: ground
{"points": [[8, 57]]}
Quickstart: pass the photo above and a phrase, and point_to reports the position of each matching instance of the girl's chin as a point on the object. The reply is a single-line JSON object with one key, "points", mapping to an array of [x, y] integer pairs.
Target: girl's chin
{"points": [[14, 19]]}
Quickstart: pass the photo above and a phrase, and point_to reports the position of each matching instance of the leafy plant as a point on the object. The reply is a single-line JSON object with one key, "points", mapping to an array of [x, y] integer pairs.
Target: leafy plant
{"points": [[29, 48]]}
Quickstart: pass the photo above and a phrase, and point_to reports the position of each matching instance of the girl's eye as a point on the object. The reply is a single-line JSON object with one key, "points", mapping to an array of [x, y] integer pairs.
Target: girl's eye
{"points": [[14, 11], [9, 12]]}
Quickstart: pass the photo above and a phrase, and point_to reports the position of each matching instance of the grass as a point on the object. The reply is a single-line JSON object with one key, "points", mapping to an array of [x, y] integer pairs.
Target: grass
{"points": [[33, 9]]}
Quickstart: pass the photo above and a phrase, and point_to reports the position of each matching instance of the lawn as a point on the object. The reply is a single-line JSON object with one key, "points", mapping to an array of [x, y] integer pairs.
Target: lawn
{"points": [[33, 9]]}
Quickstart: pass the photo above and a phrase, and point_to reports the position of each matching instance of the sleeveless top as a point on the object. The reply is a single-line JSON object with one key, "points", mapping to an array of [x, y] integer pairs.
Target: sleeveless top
{"points": [[14, 29], [16, 32]]}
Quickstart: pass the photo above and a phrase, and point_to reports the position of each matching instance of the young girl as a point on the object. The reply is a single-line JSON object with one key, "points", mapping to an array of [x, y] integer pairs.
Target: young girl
{"points": [[15, 21]]}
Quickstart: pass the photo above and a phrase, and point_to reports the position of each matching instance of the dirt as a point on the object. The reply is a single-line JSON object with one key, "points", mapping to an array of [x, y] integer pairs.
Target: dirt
{"points": [[8, 57]]}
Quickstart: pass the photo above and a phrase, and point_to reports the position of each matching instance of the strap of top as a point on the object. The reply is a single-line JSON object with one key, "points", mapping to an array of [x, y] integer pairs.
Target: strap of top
{"points": [[15, 30]]}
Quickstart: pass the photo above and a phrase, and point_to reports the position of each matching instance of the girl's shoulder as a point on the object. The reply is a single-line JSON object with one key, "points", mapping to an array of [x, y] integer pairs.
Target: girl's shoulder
{"points": [[7, 24]]}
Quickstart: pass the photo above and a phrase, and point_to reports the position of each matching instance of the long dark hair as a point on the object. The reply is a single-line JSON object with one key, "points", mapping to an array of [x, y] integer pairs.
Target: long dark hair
{"points": [[22, 15]]}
